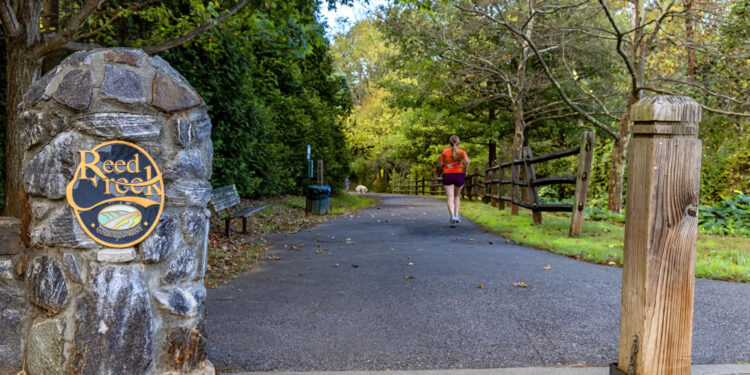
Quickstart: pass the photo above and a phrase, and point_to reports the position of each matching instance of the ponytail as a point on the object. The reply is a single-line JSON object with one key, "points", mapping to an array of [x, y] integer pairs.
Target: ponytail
{"points": [[454, 141]]}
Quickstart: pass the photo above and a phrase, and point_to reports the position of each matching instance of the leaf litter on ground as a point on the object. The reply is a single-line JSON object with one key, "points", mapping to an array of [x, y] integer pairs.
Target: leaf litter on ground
{"points": [[228, 258]]}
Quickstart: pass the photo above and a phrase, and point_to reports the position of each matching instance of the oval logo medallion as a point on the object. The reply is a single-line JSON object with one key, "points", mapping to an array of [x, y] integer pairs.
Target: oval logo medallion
{"points": [[117, 193]]}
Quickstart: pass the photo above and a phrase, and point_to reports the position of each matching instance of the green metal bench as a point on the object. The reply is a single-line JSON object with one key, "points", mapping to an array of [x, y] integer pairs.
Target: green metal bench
{"points": [[226, 202]]}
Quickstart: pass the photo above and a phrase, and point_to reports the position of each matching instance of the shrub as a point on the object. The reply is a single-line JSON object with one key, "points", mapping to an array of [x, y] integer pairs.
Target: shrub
{"points": [[729, 217]]}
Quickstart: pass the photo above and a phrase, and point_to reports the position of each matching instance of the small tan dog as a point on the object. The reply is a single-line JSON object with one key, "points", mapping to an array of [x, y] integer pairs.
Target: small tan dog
{"points": [[361, 189]]}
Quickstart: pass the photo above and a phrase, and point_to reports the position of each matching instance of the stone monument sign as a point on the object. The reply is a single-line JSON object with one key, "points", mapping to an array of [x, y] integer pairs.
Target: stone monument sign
{"points": [[105, 273]]}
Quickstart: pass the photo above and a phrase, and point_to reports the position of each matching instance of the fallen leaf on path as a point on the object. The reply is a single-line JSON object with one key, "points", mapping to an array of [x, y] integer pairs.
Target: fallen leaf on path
{"points": [[420, 249], [519, 284], [611, 263], [301, 245], [547, 268], [392, 249], [320, 251], [408, 277], [273, 257], [294, 247], [480, 286], [410, 264]]}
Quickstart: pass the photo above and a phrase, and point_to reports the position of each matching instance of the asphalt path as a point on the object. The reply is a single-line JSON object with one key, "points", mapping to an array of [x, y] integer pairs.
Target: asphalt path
{"points": [[393, 287]]}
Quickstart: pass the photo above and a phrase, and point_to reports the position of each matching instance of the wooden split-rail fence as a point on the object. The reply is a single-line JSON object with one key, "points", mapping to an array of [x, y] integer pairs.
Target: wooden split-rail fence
{"points": [[516, 183], [474, 187]]}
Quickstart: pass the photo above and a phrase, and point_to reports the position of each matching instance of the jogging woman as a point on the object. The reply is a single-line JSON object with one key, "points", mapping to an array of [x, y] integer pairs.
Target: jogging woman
{"points": [[452, 161]]}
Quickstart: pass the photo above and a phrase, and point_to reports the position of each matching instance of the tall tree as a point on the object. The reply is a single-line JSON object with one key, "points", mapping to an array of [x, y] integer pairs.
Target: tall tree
{"points": [[35, 29]]}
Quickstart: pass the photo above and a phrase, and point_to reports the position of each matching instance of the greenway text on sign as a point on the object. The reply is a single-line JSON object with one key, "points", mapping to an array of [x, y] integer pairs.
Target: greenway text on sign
{"points": [[117, 193]]}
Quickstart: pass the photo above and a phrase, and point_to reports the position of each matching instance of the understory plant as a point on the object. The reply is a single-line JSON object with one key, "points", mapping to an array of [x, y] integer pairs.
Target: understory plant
{"points": [[728, 217]]}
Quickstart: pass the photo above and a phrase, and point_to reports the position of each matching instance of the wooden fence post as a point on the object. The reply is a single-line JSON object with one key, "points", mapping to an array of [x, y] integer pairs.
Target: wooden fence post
{"points": [[320, 173], [488, 188], [500, 187], [513, 187], [582, 182], [658, 277], [532, 194]]}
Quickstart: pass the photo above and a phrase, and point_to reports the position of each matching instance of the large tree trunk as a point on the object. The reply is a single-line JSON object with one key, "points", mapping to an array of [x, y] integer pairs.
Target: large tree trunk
{"points": [[21, 72]]}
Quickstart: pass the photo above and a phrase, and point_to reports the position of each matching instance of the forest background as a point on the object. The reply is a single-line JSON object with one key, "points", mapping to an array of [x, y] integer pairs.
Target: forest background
{"points": [[380, 100]]}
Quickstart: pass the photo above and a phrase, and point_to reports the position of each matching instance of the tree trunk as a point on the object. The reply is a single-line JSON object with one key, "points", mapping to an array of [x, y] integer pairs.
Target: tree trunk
{"points": [[619, 158], [619, 150], [616, 173], [21, 72], [689, 37]]}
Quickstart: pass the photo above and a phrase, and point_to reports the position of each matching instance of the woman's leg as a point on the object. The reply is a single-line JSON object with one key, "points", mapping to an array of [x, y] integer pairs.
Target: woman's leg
{"points": [[449, 189], [457, 200]]}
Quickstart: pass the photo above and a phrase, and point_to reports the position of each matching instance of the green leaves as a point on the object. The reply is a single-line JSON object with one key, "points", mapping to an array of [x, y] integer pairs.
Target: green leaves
{"points": [[729, 217]]}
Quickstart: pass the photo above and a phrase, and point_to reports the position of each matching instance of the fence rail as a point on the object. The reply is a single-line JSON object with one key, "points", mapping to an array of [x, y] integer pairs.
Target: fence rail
{"points": [[501, 183], [474, 187]]}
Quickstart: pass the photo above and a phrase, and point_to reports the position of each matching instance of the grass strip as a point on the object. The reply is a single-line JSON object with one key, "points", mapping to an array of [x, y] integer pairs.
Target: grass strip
{"points": [[718, 258]]}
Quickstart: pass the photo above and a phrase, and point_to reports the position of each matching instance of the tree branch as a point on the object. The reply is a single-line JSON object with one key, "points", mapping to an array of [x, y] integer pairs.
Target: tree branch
{"points": [[114, 18], [68, 31], [8, 16], [195, 32], [620, 35], [707, 108], [609, 130], [692, 84], [77, 46]]}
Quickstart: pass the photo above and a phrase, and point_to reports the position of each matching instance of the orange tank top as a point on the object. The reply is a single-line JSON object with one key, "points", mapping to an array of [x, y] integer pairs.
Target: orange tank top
{"points": [[450, 165]]}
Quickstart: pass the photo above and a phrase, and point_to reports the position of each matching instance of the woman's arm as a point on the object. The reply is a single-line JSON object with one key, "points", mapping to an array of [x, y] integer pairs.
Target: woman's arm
{"points": [[466, 160]]}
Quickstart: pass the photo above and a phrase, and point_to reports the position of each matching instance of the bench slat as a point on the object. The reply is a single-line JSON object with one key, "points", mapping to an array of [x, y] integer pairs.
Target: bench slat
{"points": [[225, 197], [247, 211]]}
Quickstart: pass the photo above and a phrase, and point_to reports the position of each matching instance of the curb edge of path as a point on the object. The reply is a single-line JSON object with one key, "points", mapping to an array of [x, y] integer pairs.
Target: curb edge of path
{"points": [[725, 369]]}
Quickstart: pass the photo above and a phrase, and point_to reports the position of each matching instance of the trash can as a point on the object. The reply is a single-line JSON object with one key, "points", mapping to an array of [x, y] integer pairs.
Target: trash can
{"points": [[317, 199]]}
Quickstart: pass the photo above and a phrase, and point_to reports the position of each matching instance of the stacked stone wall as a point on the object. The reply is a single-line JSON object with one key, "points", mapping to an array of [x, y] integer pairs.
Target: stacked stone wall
{"points": [[71, 305]]}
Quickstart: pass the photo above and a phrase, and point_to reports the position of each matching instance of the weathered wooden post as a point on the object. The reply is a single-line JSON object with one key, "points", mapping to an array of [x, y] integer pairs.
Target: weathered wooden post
{"points": [[320, 179], [487, 191], [664, 160], [532, 194], [500, 185], [514, 173], [585, 157]]}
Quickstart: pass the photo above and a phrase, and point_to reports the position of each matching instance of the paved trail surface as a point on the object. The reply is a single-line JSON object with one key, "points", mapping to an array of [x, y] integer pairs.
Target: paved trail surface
{"points": [[303, 312]]}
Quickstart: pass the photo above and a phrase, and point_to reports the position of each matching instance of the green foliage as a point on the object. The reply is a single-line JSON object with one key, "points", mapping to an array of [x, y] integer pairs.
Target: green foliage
{"points": [[602, 214], [269, 82], [729, 217]]}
